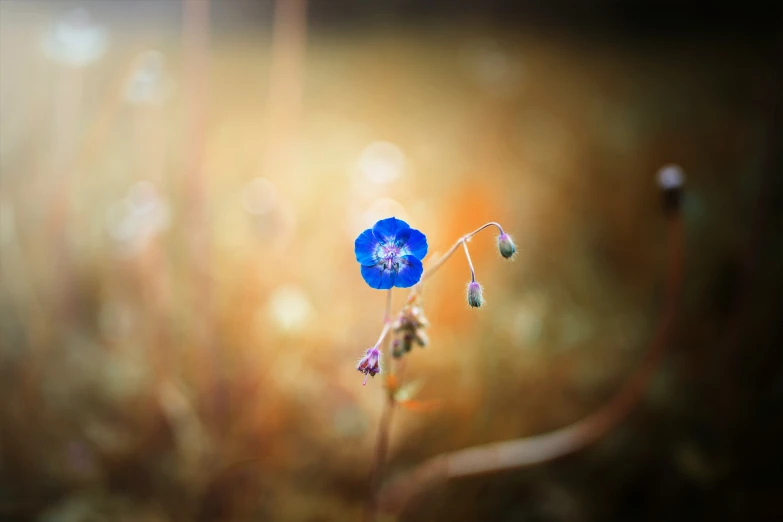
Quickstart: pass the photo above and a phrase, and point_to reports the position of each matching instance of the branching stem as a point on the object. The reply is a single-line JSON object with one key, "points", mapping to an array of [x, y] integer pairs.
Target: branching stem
{"points": [[445, 257]]}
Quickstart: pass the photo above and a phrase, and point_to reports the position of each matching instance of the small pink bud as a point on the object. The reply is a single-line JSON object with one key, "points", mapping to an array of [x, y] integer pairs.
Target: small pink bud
{"points": [[475, 297], [506, 246]]}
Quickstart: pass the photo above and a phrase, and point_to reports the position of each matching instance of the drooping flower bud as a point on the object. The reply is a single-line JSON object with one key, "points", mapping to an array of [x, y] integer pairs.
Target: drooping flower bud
{"points": [[409, 328], [475, 296], [506, 246], [370, 364]]}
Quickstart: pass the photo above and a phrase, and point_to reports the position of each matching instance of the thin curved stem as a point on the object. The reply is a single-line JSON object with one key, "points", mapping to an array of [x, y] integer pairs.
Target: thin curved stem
{"points": [[482, 227], [385, 331], [445, 257], [542, 448], [470, 263]]}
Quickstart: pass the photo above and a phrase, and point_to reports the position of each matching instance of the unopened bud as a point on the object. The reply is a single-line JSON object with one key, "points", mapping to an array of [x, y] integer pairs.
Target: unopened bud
{"points": [[475, 297], [506, 246]]}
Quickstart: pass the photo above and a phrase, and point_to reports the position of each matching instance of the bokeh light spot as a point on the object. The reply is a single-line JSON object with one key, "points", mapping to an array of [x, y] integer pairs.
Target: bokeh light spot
{"points": [[259, 196], [382, 162], [149, 83], [670, 176], [75, 39], [289, 307]]}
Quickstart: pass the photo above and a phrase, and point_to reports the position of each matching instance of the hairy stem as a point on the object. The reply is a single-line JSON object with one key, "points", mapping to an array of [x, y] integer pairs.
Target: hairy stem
{"points": [[470, 263], [482, 227], [385, 331]]}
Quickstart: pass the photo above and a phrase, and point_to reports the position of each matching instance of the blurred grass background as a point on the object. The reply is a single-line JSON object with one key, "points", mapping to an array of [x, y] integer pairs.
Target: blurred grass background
{"points": [[181, 310]]}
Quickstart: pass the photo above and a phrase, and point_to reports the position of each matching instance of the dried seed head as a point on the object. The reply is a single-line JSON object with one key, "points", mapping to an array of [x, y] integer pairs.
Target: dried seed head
{"points": [[409, 328], [370, 364], [422, 338]]}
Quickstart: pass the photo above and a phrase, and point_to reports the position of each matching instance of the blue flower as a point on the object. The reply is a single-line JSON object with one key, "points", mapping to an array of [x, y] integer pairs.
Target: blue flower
{"points": [[390, 254]]}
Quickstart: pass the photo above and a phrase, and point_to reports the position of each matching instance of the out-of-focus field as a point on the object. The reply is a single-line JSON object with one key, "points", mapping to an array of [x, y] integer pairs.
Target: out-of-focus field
{"points": [[181, 310]]}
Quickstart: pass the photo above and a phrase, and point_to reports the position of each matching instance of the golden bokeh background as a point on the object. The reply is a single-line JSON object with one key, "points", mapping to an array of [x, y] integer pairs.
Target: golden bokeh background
{"points": [[182, 312]]}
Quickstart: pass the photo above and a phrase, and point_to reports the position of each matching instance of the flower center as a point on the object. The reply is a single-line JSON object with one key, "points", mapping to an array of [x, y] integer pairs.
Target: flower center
{"points": [[389, 256], [390, 251]]}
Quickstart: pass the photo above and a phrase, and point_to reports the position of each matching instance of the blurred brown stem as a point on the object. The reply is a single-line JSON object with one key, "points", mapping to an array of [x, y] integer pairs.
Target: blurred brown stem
{"points": [[196, 53], [541, 448], [381, 448], [286, 80], [382, 442]]}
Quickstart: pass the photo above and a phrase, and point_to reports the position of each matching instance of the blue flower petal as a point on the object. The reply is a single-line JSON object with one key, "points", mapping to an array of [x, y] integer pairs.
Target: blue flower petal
{"points": [[379, 278], [416, 244], [365, 247], [410, 272], [386, 230]]}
